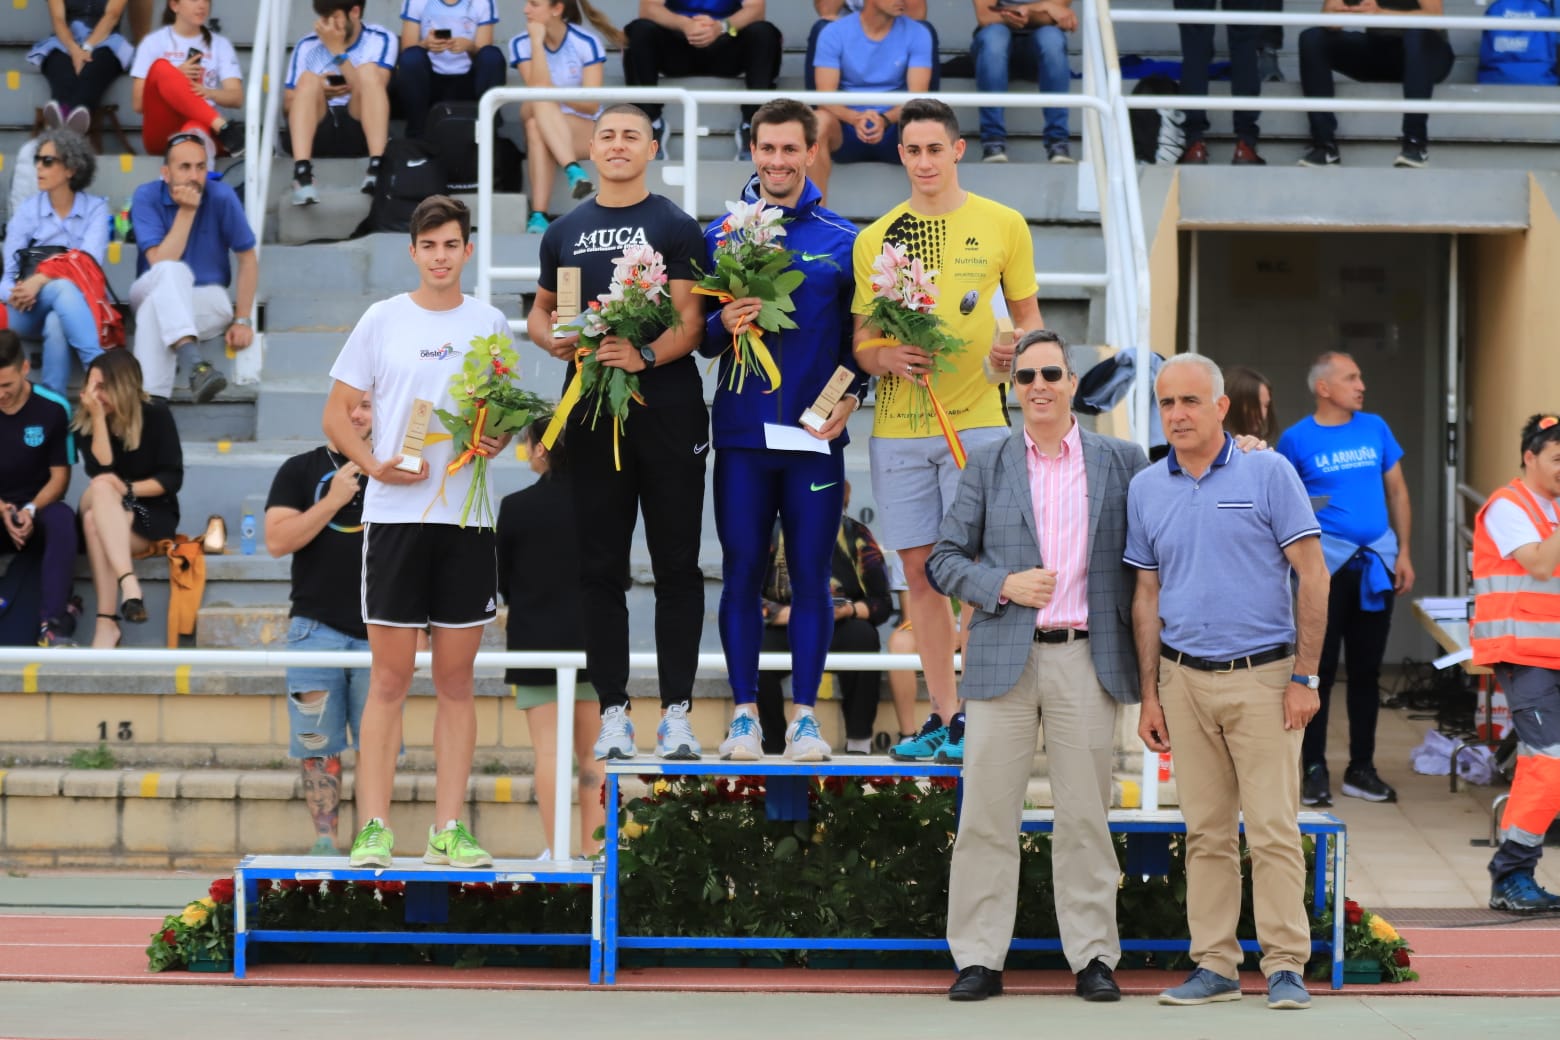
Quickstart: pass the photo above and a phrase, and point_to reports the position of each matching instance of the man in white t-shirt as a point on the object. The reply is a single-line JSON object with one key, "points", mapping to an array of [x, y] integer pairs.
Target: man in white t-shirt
{"points": [[338, 94], [1516, 631], [421, 568]]}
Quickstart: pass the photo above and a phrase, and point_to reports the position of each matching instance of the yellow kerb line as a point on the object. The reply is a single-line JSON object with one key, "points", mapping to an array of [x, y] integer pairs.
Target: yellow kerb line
{"points": [[30, 677], [503, 789], [181, 679], [149, 785]]}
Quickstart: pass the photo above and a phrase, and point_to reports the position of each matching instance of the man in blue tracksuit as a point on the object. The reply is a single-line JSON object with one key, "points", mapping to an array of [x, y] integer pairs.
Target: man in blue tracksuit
{"points": [[756, 480]]}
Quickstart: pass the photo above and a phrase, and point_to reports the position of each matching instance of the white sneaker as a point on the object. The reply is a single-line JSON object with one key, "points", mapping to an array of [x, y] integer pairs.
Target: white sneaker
{"points": [[674, 739], [744, 740], [305, 194], [617, 735], [803, 742]]}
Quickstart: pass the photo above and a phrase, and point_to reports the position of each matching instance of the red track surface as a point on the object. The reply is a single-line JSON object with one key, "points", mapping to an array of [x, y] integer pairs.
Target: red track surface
{"points": [[1488, 961]]}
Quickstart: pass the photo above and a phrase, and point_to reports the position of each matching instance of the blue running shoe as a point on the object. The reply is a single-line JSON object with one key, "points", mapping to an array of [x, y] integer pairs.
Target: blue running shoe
{"points": [[1520, 893], [1202, 987], [922, 746], [951, 751]]}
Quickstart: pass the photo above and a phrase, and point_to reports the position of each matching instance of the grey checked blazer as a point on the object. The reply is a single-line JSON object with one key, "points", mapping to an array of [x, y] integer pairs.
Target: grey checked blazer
{"points": [[989, 533]]}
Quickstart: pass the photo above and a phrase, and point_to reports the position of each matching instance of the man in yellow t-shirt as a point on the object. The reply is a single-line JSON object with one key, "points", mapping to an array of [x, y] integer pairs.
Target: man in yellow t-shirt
{"points": [[974, 246]]}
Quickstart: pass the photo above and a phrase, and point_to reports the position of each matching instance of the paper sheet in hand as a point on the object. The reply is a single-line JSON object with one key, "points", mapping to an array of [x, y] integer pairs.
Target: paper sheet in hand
{"points": [[792, 438]]}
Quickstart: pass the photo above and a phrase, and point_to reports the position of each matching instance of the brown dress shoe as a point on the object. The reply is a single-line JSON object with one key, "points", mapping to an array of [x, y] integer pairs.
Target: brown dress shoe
{"points": [[1246, 155], [214, 541], [1195, 155]]}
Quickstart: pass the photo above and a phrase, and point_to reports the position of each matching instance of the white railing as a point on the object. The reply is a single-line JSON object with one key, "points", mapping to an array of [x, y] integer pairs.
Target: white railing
{"points": [[262, 108], [567, 664]]}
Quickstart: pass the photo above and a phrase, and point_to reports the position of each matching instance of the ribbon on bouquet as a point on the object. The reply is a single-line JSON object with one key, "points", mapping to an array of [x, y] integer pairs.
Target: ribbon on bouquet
{"points": [[944, 421], [754, 338], [471, 452], [566, 403]]}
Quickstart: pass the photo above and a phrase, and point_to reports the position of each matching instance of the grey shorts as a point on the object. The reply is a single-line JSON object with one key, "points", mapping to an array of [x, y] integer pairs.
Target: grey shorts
{"points": [[914, 480]]}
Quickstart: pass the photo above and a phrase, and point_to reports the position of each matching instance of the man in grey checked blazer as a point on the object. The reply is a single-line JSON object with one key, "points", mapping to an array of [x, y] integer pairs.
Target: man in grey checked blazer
{"points": [[1034, 542]]}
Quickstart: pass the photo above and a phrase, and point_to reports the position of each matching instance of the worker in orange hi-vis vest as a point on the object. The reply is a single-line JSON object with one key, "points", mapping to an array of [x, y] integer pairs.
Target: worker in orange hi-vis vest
{"points": [[1516, 631]]}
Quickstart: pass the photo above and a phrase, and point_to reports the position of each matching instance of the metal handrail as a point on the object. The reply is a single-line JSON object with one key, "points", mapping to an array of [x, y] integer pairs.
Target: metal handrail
{"points": [[1478, 23], [254, 105]]}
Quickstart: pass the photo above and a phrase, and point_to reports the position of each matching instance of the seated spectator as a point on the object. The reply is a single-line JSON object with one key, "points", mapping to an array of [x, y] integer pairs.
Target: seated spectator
{"points": [[315, 513], [1245, 41], [447, 54], [861, 603], [81, 60], [539, 577], [60, 214], [1029, 39], [706, 38], [338, 94], [1417, 58], [878, 49], [185, 226], [34, 473], [183, 74], [830, 10], [557, 134], [131, 451]]}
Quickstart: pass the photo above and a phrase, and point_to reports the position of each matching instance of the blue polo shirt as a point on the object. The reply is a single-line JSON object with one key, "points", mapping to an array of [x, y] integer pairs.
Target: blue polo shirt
{"points": [[1218, 545], [220, 228]]}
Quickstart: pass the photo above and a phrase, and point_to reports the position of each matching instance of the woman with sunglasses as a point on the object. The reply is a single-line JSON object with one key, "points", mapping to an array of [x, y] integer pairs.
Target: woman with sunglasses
{"points": [[184, 74], [61, 214], [81, 60]]}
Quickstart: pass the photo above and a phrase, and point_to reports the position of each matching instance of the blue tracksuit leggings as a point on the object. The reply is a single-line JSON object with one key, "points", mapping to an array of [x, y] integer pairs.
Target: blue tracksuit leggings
{"points": [[807, 492]]}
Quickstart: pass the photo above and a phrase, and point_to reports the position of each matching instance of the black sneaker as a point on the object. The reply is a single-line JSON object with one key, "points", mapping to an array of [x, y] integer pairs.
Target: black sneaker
{"points": [[993, 151], [231, 138], [1325, 154], [206, 383], [1414, 154], [1362, 782], [1316, 787], [52, 634]]}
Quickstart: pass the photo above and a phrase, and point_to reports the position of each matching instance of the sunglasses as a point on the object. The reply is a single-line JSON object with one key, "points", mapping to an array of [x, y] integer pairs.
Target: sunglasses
{"points": [[1049, 373], [47, 160]]}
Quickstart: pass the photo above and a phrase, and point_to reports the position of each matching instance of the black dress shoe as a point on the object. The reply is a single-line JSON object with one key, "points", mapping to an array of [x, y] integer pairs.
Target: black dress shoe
{"points": [[976, 983], [1097, 983]]}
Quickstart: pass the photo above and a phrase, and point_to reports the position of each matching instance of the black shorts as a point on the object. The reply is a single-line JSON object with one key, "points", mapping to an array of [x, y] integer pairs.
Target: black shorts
{"points": [[429, 574], [336, 136]]}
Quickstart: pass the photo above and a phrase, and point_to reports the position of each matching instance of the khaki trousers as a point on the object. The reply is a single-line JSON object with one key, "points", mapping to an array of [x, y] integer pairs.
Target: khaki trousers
{"points": [[1234, 758], [1058, 683]]}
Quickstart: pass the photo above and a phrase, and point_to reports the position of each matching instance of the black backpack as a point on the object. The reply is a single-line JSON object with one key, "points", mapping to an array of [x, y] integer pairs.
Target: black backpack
{"points": [[408, 173], [451, 135]]}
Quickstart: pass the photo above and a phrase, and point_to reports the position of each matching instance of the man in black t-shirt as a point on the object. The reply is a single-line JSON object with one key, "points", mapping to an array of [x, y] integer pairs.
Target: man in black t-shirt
{"points": [[36, 453], [665, 442], [315, 512]]}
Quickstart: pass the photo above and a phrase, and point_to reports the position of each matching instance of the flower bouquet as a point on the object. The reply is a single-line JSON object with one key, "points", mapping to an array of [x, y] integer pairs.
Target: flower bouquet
{"points": [[751, 262], [636, 306], [904, 296], [198, 937], [1367, 937], [488, 404]]}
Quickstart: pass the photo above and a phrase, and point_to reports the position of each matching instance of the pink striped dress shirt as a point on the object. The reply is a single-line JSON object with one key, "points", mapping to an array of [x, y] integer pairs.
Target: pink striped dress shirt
{"points": [[1059, 491]]}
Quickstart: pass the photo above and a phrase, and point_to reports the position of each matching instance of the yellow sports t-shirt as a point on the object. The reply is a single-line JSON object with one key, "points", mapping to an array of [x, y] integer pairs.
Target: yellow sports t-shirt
{"points": [[973, 250]]}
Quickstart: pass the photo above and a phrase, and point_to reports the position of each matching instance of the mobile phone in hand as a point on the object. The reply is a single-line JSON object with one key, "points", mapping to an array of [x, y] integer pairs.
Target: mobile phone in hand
{"points": [[193, 54], [336, 79], [441, 34]]}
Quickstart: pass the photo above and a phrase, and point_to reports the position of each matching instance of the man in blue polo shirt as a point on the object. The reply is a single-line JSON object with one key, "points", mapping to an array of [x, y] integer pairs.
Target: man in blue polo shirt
{"points": [[1228, 676], [185, 226], [1350, 458]]}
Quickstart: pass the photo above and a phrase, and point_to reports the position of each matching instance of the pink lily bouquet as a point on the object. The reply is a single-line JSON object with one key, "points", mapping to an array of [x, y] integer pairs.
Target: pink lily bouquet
{"points": [[488, 404], [904, 296], [750, 261], [637, 306]]}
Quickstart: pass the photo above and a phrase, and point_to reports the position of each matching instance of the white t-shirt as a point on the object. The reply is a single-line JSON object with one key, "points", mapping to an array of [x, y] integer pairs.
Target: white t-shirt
{"points": [[218, 62], [375, 45], [403, 352], [462, 18], [581, 47], [1511, 528]]}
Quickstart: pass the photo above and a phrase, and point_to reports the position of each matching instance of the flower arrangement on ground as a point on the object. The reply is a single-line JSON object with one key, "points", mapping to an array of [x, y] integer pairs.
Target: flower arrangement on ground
{"points": [[201, 932], [750, 262], [1369, 937], [904, 297], [636, 306], [488, 404]]}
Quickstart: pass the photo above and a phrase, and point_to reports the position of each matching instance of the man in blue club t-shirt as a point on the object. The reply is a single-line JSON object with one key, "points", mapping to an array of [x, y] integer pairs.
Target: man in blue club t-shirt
{"points": [[1350, 458]]}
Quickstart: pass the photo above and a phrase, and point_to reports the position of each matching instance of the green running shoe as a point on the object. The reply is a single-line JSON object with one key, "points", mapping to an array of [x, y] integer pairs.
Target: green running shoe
{"points": [[455, 847], [373, 846]]}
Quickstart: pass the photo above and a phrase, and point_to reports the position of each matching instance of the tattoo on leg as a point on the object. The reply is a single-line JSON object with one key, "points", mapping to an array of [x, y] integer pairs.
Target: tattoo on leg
{"points": [[322, 793]]}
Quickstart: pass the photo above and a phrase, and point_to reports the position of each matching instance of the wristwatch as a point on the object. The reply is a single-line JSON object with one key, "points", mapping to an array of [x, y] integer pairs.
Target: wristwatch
{"points": [[242, 321], [31, 509], [1311, 682], [648, 355]]}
